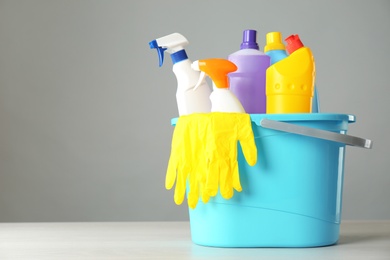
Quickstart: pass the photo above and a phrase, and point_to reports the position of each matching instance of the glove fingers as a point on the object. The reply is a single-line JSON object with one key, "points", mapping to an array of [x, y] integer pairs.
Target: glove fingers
{"points": [[180, 188], [170, 176], [233, 166], [236, 177], [205, 197], [247, 141], [250, 152], [193, 194], [194, 181], [177, 151], [226, 182], [212, 179], [202, 191]]}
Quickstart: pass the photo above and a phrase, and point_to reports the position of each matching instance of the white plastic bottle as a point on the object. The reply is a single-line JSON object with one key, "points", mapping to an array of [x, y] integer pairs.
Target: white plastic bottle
{"points": [[222, 99], [188, 101]]}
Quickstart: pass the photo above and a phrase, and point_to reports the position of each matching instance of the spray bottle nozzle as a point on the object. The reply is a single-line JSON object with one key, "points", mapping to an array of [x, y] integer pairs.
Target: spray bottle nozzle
{"points": [[160, 51], [171, 43], [216, 69]]}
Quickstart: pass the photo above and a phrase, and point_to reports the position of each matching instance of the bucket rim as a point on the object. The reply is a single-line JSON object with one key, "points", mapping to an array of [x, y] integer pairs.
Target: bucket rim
{"points": [[256, 118]]}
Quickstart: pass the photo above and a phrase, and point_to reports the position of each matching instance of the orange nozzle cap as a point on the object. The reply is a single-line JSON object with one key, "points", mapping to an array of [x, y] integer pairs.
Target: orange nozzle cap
{"points": [[293, 43], [217, 70]]}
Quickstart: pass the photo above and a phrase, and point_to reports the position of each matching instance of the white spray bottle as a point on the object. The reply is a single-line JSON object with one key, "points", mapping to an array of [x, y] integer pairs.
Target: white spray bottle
{"points": [[222, 99], [188, 101]]}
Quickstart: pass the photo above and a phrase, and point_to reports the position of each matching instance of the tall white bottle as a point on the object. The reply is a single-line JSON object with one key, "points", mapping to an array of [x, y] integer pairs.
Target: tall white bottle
{"points": [[222, 99], [188, 101]]}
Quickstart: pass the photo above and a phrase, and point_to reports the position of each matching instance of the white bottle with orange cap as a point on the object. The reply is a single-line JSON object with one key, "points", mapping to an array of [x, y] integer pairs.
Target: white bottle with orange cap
{"points": [[222, 99]]}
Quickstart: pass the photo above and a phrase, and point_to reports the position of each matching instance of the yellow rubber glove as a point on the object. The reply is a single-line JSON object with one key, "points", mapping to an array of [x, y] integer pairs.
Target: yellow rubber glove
{"points": [[225, 130], [204, 153], [187, 161]]}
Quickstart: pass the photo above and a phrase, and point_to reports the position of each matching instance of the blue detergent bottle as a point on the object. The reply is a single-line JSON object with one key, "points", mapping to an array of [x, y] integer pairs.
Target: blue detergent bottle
{"points": [[276, 50]]}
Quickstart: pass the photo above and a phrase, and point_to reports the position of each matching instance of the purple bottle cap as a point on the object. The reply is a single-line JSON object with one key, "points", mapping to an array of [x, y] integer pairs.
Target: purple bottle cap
{"points": [[249, 40]]}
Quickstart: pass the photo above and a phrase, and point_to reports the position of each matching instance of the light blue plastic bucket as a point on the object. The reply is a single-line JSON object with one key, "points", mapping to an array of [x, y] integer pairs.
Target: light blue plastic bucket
{"points": [[292, 197]]}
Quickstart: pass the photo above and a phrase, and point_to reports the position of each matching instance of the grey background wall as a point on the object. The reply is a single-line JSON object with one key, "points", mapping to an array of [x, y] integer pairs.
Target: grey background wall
{"points": [[85, 110]]}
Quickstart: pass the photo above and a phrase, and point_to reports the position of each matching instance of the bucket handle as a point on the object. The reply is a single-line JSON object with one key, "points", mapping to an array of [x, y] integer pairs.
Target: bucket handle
{"points": [[317, 133]]}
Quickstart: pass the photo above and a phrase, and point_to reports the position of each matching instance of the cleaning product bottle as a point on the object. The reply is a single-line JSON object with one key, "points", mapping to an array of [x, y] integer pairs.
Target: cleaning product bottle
{"points": [[222, 99], [274, 47], [248, 82], [277, 52], [294, 43], [290, 81], [188, 101]]}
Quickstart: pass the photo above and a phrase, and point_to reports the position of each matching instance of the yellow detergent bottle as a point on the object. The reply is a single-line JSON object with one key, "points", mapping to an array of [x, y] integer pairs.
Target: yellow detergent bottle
{"points": [[290, 82]]}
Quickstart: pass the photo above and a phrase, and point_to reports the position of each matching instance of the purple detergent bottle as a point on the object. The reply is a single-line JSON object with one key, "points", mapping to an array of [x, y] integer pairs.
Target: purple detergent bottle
{"points": [[248, 82]]}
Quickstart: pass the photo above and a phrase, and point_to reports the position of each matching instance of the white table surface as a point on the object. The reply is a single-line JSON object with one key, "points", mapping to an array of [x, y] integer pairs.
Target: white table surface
{"points": [[171, 240]]}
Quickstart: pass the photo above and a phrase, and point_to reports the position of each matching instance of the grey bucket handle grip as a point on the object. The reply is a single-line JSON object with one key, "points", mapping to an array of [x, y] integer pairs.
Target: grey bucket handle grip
{"points": [[317, 133]]}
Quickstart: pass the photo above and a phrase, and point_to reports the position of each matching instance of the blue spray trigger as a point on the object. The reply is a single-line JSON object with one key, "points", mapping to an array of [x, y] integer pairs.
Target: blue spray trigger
{"points": [[160, 51]]}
